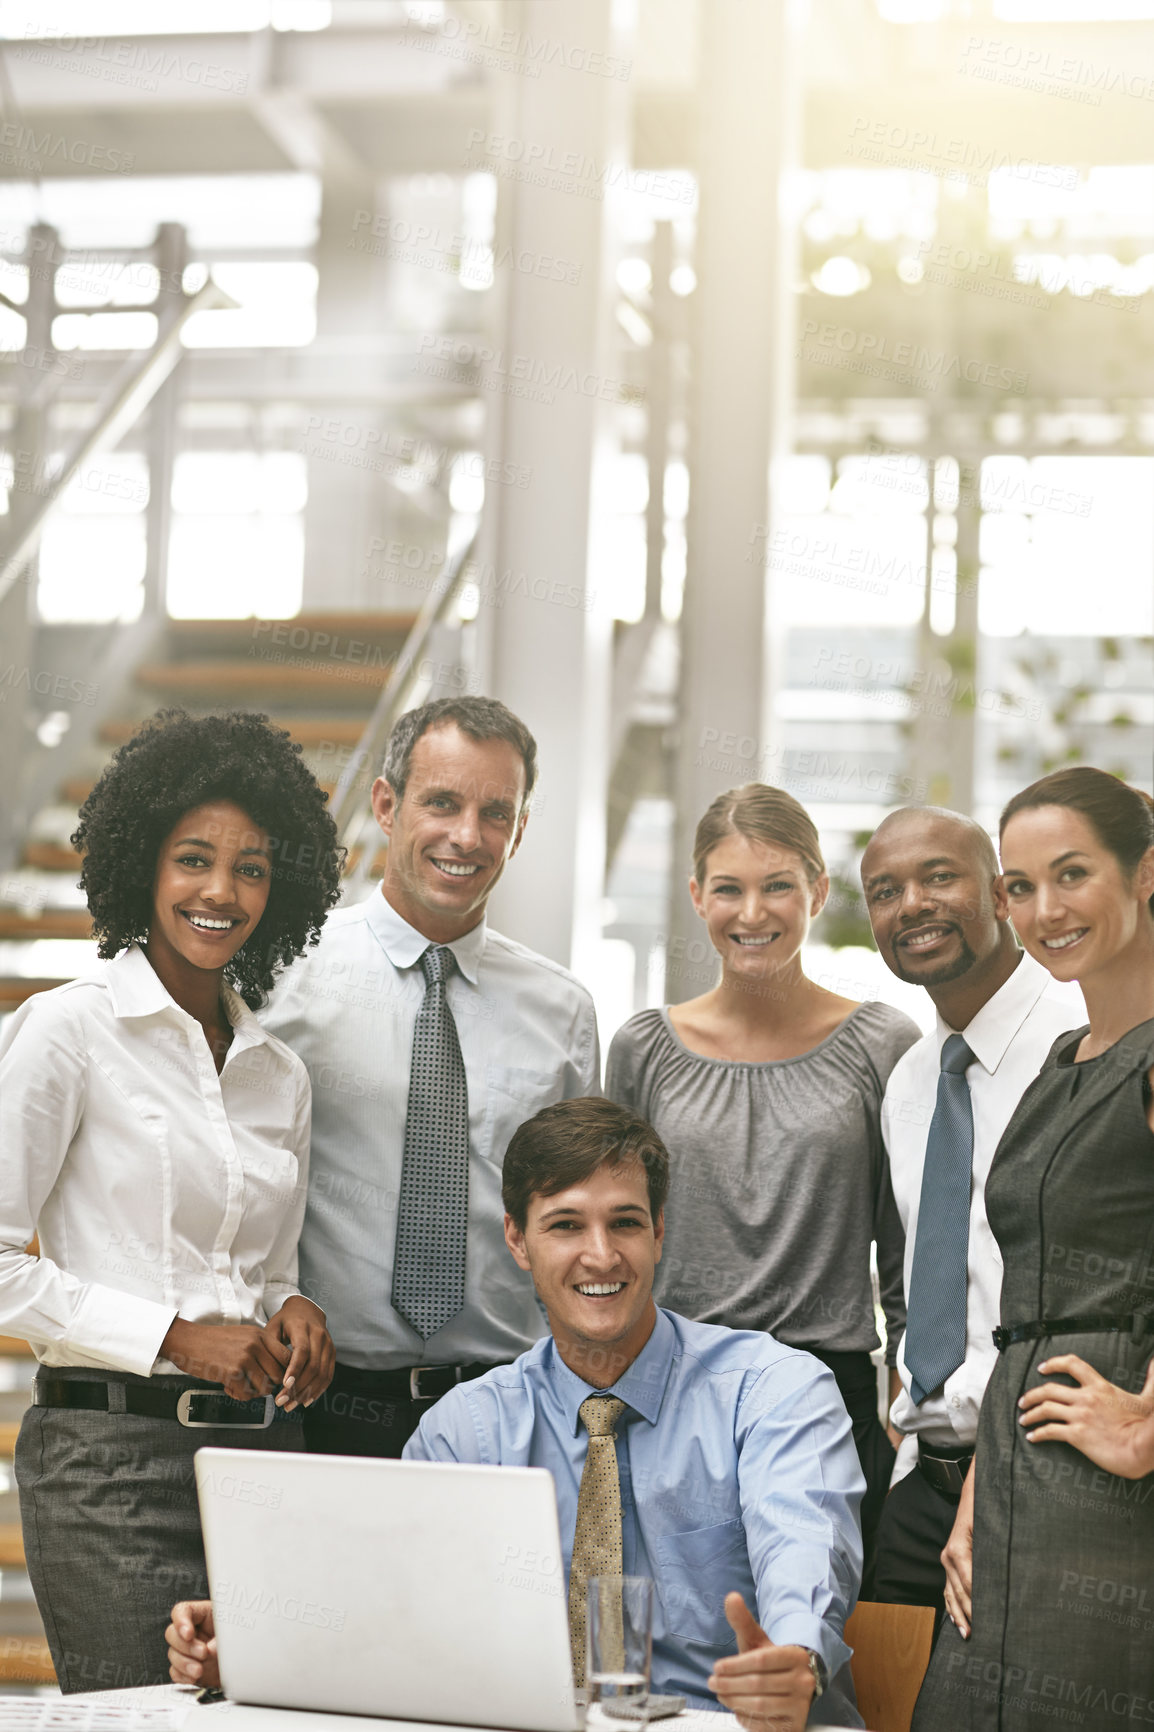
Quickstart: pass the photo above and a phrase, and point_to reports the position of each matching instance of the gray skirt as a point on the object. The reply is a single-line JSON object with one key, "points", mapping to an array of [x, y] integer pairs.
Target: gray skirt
{"points": [[112, 1529]]}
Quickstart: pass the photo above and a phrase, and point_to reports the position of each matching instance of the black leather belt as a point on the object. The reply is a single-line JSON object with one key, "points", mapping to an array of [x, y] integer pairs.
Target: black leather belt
{"points": [[412, 1382], [196, 1408], [946, 1473], [1136, 1325]]}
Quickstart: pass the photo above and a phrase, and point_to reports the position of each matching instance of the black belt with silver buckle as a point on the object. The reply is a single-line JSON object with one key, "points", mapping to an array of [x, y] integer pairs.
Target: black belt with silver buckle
{"points": [[195, 1408], [946, 1473], [412, 1382], [1136, 1325]]}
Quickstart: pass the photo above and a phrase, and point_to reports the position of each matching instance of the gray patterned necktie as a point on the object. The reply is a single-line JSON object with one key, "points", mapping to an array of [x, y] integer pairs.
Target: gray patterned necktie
{"points": [[936, 1326], [429, 1259]]}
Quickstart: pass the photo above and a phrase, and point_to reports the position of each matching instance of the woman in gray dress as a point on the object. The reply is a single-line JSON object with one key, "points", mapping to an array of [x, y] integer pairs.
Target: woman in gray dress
{"points": [[767, 1091], [1050, 1565]]}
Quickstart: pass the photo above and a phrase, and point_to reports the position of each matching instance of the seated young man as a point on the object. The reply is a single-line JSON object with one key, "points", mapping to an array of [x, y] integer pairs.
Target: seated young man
{"points": [[722, 1463]]}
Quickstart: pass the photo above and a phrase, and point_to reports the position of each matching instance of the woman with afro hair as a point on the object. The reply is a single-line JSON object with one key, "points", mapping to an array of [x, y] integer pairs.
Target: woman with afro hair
{"points": [[156, 1138]]}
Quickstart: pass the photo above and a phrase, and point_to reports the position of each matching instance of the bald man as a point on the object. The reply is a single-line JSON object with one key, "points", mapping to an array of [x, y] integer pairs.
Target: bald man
{"points": [[941, 920]]}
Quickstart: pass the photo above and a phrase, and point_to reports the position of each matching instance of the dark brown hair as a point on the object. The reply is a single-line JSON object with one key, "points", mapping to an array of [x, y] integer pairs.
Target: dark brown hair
{"points": [[760, 814], [564, 1145], [1120, 816], [479, 718]]}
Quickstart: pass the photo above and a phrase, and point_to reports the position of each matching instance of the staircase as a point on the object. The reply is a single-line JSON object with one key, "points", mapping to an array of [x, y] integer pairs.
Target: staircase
{"points": [[319, 676]]}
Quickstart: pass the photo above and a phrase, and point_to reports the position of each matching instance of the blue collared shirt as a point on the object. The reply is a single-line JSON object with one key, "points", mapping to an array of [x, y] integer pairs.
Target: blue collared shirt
{"points": [[737, 1469], [528, 1037]]}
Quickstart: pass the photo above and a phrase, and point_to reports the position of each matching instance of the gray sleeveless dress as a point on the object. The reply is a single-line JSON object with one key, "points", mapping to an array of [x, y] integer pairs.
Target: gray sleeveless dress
{"points": [[1063, 1624]]}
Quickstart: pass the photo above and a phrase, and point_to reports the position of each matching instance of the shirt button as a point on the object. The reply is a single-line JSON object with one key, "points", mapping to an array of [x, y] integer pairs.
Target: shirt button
{"points": [[955, 1401]]}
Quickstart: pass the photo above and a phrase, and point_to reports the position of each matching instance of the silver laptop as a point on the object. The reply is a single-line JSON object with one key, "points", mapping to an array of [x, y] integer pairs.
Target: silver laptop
{"points": [[412, 1590]]}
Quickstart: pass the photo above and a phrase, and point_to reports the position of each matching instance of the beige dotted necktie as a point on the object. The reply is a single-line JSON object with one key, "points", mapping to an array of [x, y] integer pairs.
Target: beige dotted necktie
{"points": [[597, 1539]]}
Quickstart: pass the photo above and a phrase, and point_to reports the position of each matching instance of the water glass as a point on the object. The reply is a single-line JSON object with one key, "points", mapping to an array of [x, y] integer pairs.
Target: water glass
{"points": [[619, 1645]]}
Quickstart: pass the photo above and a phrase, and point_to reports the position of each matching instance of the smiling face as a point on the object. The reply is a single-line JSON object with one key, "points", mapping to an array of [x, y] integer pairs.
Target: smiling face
{"points": [[1074, 907], [459, 821], [592, 1250], [213, 876], [934, 901], [757, 904]]}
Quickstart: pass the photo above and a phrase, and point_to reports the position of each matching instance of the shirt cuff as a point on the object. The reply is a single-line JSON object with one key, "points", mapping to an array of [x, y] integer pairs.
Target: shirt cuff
{"points": [[808, 1631], [275, 1297], [119, 1329], [275, 1294]]}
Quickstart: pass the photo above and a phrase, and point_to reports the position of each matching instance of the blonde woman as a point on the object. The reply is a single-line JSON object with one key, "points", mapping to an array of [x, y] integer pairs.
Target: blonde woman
{"points": [[767, 1093]]}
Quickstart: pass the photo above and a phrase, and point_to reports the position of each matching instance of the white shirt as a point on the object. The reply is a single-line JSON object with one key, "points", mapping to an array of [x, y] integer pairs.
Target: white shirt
{"points": [[1010, 1038], [528, 1037], [158, 1188]]}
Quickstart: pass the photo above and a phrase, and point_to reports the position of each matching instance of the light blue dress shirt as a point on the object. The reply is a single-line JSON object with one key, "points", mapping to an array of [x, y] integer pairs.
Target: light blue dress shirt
{"points": [[737, 1469], [528, 1037]]}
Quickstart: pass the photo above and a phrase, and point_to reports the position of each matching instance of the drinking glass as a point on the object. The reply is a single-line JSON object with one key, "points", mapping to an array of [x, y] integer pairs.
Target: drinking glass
{"points": [[619, 1632]]}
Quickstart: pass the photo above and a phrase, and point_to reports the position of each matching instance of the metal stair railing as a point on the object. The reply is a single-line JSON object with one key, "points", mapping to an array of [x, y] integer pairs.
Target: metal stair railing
{"points": [[406, 686]]}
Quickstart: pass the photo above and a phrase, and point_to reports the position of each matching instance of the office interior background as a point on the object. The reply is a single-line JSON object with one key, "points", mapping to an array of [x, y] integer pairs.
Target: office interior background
{"points": [[739, 389]]}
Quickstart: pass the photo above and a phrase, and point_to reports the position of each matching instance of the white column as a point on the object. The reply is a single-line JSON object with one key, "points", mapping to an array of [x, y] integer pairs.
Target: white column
{"points": [[349, 505], [546, 621], [741, 381]]}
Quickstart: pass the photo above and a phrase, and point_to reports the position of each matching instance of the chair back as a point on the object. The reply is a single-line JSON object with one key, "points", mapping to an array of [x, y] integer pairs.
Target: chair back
{"points": [[891, 1650]]}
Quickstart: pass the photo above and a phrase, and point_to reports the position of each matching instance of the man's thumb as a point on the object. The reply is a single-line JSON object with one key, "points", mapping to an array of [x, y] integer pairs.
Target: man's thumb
{"points": [[744, 1625]]}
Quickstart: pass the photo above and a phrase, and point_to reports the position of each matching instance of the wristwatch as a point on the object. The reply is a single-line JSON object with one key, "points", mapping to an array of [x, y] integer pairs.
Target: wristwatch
{"points": [[820, 1672]]}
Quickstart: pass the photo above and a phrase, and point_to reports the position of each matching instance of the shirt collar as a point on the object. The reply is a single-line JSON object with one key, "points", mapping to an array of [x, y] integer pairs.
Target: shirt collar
{"points": [[404, 945], [641, 1387], [135, 989], [989, 1033]]}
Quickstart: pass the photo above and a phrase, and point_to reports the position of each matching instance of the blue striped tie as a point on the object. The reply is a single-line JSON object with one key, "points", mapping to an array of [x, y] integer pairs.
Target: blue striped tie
{"points": [[936, 1325]]}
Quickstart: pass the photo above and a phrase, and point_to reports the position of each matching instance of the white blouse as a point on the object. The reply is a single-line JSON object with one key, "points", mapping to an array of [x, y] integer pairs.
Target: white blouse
{"points": [[158, 1188]]}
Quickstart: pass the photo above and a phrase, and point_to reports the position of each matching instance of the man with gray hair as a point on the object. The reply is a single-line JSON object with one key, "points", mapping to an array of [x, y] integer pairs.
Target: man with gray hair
{"points": [[940, 918], [428, 1038]]}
